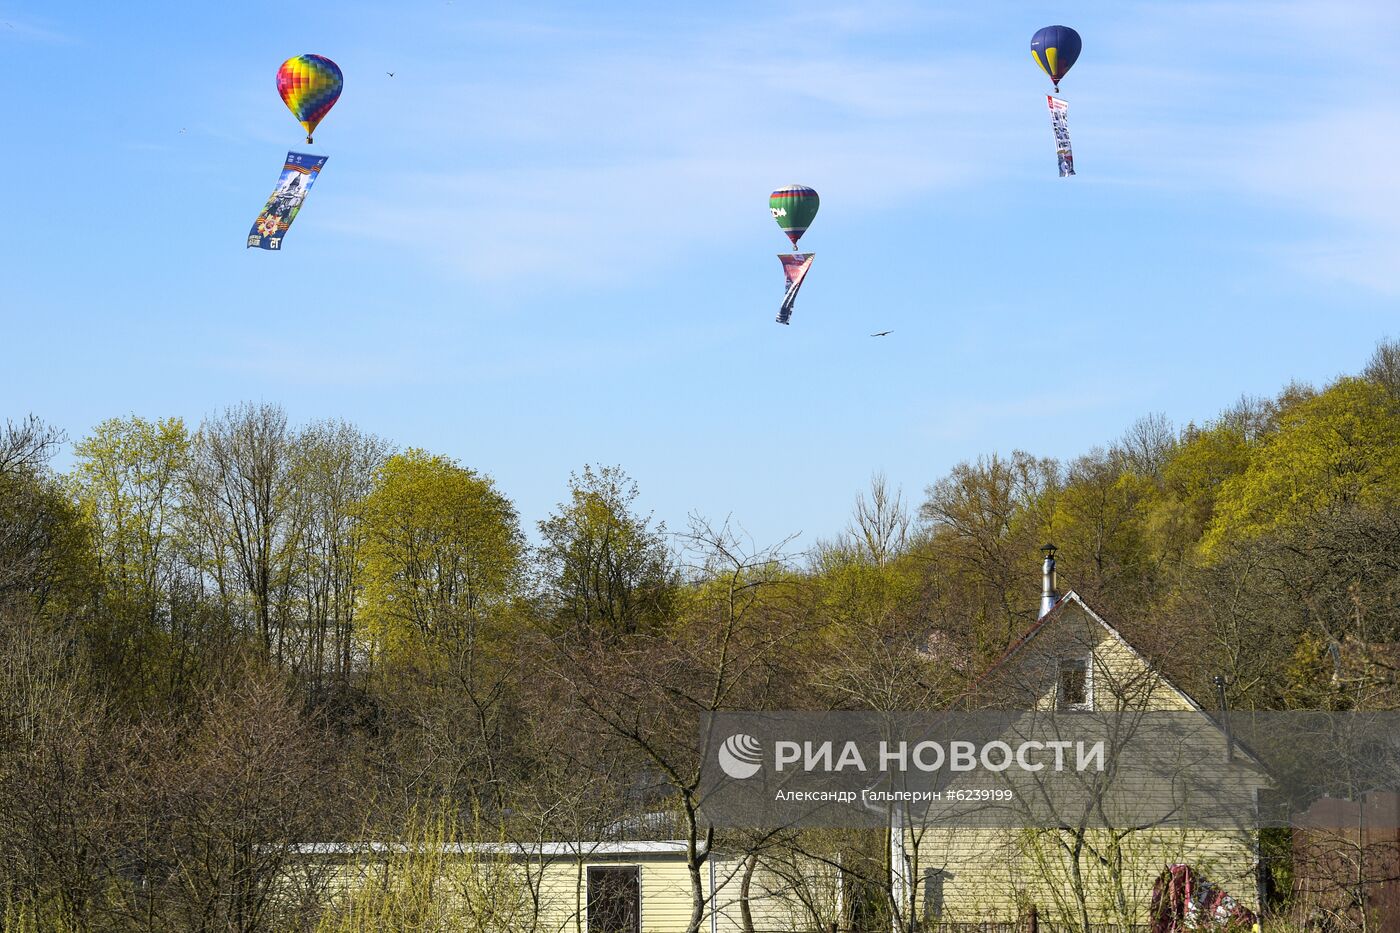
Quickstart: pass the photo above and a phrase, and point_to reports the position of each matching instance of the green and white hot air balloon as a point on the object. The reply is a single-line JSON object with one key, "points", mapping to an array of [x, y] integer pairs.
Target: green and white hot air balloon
{"points": [[794, 208]]}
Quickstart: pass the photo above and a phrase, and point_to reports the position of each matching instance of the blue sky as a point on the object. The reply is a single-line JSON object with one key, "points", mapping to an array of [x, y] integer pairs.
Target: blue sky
{"points": [[545, 241]]}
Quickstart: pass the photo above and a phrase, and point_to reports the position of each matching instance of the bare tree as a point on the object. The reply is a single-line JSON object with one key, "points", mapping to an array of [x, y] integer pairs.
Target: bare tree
{"points": [[1148, 444], [881, 522], [648, 692], [247, 507], [58, 866], [40, 535], [219, 805], [1384, 366], [336, 473], [984, 520]]}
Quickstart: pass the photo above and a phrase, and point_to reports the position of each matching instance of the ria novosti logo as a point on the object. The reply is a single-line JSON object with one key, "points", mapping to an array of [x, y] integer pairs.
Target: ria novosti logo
{"points": [[741, 756]]}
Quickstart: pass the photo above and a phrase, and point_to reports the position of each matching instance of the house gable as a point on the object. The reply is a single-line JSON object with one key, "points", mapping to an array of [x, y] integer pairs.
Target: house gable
{"points": [[974, 874], [1041, 670]]}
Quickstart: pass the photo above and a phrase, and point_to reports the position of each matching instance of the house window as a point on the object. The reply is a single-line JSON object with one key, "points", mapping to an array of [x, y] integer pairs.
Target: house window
{"points": [[1075, 689], [614, 899], [933, 894]]}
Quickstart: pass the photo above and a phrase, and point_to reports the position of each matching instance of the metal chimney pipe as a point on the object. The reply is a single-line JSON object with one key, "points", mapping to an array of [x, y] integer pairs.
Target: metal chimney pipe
{"points": [[1225, 718], [1049, 595]]}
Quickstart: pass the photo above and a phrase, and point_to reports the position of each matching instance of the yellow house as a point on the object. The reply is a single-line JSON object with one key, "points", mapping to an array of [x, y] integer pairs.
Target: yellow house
{"points": [[583, 887], [1072, 659]]}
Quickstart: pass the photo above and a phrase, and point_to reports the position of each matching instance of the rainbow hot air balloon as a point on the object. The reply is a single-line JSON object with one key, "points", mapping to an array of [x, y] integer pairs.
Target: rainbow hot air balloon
{"points": [[1056, 49], [310, 85], [793, 208]]}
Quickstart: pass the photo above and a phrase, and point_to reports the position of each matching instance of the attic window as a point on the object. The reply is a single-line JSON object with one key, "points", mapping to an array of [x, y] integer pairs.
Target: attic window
{"points": [[1074, 684]]}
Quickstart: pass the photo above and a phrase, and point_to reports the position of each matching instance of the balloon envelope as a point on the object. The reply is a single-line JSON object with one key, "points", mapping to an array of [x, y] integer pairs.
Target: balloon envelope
{"points": [[1056, 49], [310, 85], [793, 208]]}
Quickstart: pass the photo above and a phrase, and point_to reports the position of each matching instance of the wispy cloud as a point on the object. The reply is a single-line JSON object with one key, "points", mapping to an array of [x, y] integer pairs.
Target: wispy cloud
{"points": [[17, 29], [1282, 107], [963, 419], [1336, 170], [619, 152], [567, 169]]}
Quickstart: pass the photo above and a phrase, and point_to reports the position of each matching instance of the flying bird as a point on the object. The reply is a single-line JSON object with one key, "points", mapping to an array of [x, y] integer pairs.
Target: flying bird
{"points": [[882, 333], [389, 73]]}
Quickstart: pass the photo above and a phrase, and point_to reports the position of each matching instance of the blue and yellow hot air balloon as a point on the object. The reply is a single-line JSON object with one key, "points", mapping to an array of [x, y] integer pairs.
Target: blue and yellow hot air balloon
{"points": [[1056, 49]]}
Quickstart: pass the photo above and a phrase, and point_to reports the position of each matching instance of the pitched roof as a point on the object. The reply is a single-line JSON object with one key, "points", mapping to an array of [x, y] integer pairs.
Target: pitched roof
{"points": [[1055, 612]]}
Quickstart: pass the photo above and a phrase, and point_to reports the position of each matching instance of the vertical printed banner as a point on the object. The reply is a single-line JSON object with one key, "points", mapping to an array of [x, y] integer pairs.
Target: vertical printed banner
{"points": [[298, 175], [1059, 122], [795, 266]]}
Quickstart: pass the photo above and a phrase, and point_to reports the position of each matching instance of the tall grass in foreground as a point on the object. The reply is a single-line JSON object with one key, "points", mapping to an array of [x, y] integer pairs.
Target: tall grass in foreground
{"points": [[430, 880], [50, 917]]}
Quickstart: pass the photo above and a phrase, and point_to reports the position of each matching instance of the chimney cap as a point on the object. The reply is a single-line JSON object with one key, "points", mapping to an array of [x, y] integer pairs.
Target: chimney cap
{"points": [[1049, 549]]}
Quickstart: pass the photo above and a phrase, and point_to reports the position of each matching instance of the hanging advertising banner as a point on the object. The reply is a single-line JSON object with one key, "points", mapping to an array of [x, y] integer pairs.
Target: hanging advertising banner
{"points": [[1059, 122], [795, 266], [299, 173]]}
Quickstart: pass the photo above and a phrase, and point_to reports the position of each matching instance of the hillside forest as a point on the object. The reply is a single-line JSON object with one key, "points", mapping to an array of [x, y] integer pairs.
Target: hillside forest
{"points": [[219, 641]]}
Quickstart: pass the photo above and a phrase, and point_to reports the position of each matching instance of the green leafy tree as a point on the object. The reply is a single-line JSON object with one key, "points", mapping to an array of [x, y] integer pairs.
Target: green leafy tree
{"points": [[605, 569], [441, 546], [1099, 526], [1331, 450], [1205, 459], [127, 479], [443, 556]]}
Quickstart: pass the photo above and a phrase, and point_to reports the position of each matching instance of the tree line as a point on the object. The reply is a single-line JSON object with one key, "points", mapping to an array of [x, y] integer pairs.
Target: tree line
{"points": [[223, 640]]}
